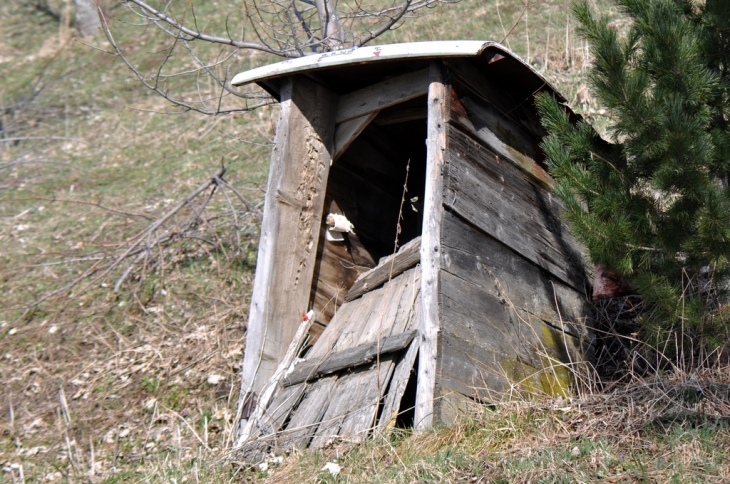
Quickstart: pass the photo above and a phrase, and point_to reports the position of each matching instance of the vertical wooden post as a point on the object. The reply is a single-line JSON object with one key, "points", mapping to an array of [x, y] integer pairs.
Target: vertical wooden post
{"points": [[431, 248], [300, 163]]}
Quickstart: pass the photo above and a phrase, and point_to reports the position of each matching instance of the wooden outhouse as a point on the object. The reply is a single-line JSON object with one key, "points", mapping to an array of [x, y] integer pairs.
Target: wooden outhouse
{"points": [[408, 208]]}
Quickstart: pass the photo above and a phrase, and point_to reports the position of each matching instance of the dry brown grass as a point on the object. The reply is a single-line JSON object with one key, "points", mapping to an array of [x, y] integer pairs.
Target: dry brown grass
{"points": [[671, 429]]}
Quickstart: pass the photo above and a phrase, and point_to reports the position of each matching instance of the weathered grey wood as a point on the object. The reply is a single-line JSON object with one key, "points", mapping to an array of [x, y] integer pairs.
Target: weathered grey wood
{"points": [[383, 94], [380, 322], [347, 131], [438, 101], [398, 383], [501, 272], [343, 401], [327, 341], [517, 111], [511, 206], [500, 135], [267, 392], [306, 417], [388, 268], [290, 228], [488, 320], [360, 419], [409, 309], [285, 399], [350, 358], [351, 332]]}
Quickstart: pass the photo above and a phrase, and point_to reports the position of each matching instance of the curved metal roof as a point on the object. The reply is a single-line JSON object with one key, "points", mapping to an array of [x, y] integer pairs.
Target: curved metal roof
{"points": [[384, 54]]}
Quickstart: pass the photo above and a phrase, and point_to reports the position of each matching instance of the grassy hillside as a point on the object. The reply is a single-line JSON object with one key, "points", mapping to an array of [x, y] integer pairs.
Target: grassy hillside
{"points": [[138, 382]]}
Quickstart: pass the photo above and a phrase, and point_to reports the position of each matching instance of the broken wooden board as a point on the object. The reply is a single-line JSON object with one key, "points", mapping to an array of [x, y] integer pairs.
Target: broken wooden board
{"points": [[349, 368], [398, 383], [306, 417], [388, 268], [349, 358]]}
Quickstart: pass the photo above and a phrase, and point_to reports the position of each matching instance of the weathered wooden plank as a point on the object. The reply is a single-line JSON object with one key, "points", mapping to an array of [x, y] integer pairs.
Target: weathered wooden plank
{"points": [[337, 267], [380, 322], [476, 371], [509, 205], [398, 383], [299, 172], [388, 268], [332, 332], [484, 338], [360, 419], [350, 335], [267, 392], [501, 136], [353, 357], [308, 414], [344, 399], [409, 309], [285, 399], [383, 94], [480, 259], [347, 131], [438, 102], [519, 111]]}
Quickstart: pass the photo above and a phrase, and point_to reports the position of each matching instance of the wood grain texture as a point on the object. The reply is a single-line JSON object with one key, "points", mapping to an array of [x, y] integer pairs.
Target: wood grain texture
{"points": [[511, 206], [291, 226], [501, 272], [389, 267], [360, 419], [497, 132], [267, 392], [350, 358], [518, 113], [431, 246], [398, 383], [383, 94], [343, 400], [305, 419], [506, 322]]}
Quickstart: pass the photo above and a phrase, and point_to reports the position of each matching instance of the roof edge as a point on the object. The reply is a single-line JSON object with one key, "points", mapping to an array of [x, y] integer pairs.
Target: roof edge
{"points": [[368, 54]]}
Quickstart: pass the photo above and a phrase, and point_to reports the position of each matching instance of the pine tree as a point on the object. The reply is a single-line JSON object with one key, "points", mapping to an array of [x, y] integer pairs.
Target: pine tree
{"points": [[653, 204]]}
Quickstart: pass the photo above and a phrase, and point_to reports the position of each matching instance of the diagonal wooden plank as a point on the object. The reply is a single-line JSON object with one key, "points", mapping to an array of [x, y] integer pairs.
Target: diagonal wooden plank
{"points": [[380, 323], [392, 403], [381, 95], [408, 304], [343, 397], [365, 401], [279, 409], [306, 417], [408, 256], [347, 131], [350, 358]]}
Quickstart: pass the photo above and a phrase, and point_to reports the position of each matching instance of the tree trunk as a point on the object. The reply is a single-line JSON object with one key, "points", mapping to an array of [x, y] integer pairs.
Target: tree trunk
{"points": [[87, 20]]}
